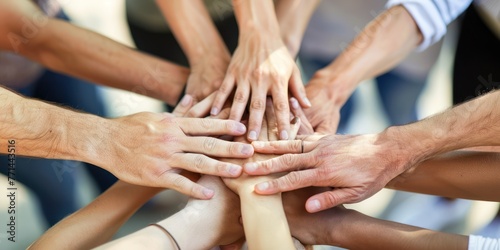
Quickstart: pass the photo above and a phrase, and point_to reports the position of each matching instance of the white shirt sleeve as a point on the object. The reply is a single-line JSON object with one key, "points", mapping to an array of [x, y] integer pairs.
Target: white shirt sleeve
{"points": [[482, 243], [432, 16]]}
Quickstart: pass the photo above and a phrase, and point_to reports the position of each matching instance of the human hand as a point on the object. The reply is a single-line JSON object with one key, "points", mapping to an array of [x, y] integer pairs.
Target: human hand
{"points": [[357, 166], [207, 75], [270, 133], [324, 114], [221, 213], [312, 229], [261, 65], [151, 149]]}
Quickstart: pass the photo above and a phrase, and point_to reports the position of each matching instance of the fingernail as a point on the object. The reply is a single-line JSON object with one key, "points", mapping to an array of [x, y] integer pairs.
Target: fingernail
{"points": [[257, 144], [186, 100], [247, 149], [294, 120], [252, 135], [208, 192], [313, 206], [250, 167], [234, 170], [240, 128], [308, 103], [294, 103], [214, 111], [284, 135], [262, 186]]}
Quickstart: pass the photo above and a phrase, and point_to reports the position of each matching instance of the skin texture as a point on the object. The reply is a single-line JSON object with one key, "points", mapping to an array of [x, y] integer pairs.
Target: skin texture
{"points": [[260, 66], [86, 54], [207, 54], [360, 165], [145, 148], [380, 46], [264, 219]]}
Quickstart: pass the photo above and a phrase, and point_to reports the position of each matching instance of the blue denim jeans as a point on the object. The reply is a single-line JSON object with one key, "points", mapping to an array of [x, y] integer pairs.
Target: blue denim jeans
{"points": [[398, 93]]}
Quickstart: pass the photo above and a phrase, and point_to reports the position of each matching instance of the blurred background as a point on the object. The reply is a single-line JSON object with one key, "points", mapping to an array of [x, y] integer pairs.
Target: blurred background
{"points": [[108, 18]]}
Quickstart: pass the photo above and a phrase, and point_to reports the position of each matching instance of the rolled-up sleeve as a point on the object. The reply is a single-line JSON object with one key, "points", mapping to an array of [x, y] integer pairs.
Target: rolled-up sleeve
{"points": [[432, 16]]}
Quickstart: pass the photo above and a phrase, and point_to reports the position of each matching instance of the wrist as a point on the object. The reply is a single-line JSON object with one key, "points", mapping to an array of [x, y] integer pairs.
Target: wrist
{"points": [[410, 146], [183, 225], [337, 84]]}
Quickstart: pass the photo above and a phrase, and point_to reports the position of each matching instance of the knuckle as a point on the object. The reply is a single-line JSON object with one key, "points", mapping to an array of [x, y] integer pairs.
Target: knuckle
{"points": [[293, 178], [209, 144], [234, 149], [258, 73], [288, 160], [206, 124], [257, 105], [330, 199], [240, 97], [281, 106], [199, 161]]}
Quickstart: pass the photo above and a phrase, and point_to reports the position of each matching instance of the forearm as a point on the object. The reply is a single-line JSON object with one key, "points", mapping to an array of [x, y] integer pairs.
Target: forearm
{"points": [[380, 46], [469, 175], [471, 124], [63, 47], [358, 231], [264, 221], [293, 17], [47, 131], [255, 17], [96, 223], [194, 29]]}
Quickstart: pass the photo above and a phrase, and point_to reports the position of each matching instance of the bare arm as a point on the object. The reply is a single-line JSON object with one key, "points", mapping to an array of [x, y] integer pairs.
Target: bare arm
{"points": [[97, 222], [381, 45], [293, 17], [377, 158], [145, 149], [350, 229], [207, 54], [469, 175], [82, 53]]}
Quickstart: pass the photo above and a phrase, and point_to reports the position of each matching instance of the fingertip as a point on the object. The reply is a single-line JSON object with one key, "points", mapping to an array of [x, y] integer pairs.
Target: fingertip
{"points": [[284, 135], [252, 135], [208, 193], [262, 188], [250, 168], [247, 150], [313, 206], [294, 103], [214, 111]]}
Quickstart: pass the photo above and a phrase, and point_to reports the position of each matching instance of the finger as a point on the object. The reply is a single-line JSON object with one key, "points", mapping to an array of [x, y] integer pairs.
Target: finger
{"points": [[264, 136], [240, 101], [223, 115], [257, 108], [330, 199], [282, 111], [201, 109], [297, 89], [291, 181], [184, 105], [283, 147], [272, 126], [222, 94], [198, 126], [202, 164], [305, 127], [294, 127], [185, 186], [216, 147], [287, 162]]}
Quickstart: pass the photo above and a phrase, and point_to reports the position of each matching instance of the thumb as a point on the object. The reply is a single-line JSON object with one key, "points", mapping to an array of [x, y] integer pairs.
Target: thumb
{"points": [[331, 199]]}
